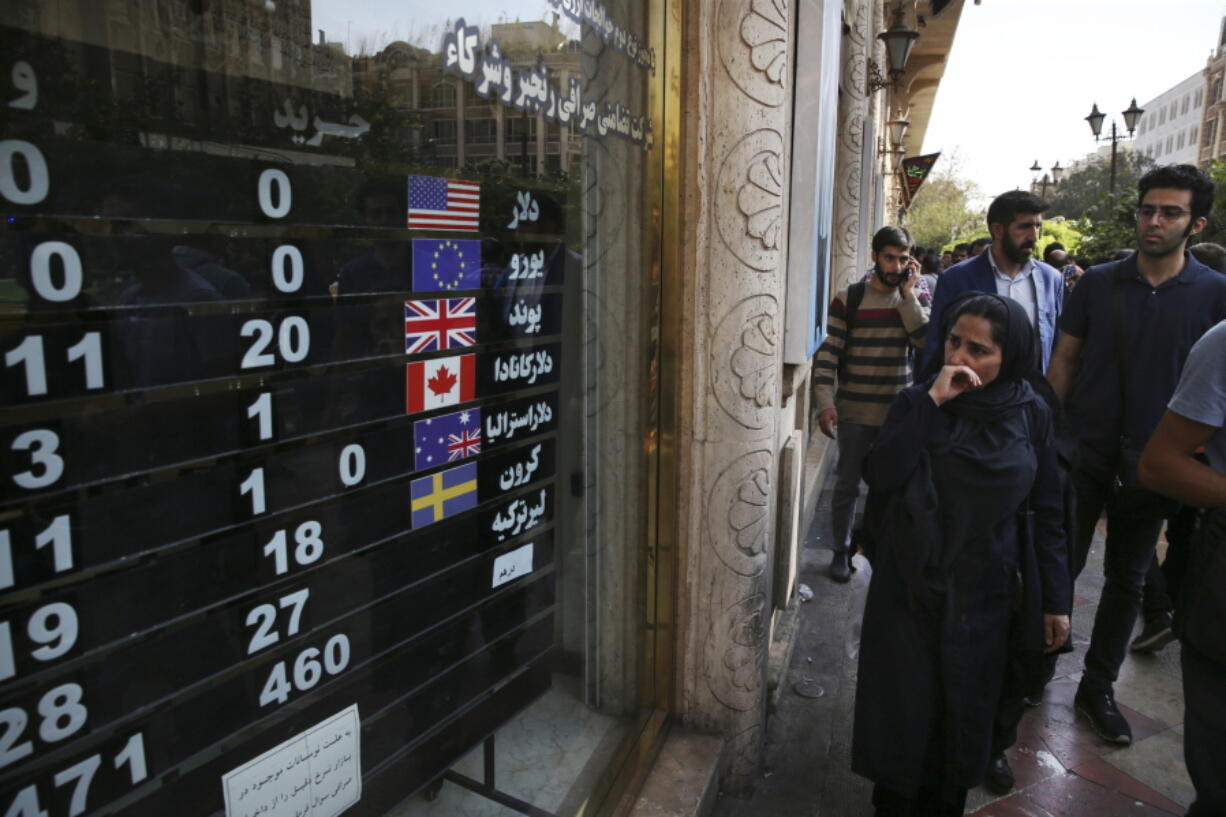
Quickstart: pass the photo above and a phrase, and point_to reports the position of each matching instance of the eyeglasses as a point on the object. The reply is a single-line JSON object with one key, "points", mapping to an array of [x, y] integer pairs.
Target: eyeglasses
{"points": [[1167, 212]]}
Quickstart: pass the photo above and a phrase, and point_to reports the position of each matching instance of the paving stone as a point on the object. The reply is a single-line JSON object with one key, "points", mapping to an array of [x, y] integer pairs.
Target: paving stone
{"points": [[1063, 769]]}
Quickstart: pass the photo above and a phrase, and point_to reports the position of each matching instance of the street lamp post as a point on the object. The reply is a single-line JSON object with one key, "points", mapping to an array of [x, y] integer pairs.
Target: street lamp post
{"points": [[1131, 115], [1052, 178]]}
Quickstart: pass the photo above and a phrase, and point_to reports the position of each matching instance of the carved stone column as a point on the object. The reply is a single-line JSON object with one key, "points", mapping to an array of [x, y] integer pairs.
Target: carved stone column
{"points": [[849, 159], [736, 125]]}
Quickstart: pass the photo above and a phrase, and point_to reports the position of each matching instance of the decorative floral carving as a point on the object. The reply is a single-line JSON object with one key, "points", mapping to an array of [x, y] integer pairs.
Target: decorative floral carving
{"points": [[749, 516], [765, 30], [761, 199], [749, 206], [753, 362], [735, 654], [738, 523], [752, 38], [745, 749], [745, 361]]}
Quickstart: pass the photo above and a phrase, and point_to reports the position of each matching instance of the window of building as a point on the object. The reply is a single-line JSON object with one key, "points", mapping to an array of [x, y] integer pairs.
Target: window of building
{"points": [[443, 95], [1193, 132], [1198, 97], [1187, 100], [443, 130], [481, 131], [1170, 143], [1179, 141], [1162, 116], [519, 126]]}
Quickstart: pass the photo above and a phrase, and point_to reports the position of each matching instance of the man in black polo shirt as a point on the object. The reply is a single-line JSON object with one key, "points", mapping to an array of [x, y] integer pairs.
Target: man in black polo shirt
{"points": [[1126, 330]]}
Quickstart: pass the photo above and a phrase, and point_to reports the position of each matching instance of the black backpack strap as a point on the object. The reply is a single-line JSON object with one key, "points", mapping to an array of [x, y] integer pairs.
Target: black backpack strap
{"points": [[855, 295]]}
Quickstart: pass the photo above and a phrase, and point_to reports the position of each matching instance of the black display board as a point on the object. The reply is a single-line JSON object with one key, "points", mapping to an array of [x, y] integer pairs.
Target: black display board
{"points": [[269, 456]]}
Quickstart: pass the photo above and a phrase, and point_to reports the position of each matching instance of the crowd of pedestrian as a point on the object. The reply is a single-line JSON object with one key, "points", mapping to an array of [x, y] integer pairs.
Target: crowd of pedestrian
{"points": [[998, 406]]}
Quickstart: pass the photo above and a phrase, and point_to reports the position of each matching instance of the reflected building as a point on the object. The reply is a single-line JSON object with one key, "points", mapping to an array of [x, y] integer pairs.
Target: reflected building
{"points": [[455, 126]]}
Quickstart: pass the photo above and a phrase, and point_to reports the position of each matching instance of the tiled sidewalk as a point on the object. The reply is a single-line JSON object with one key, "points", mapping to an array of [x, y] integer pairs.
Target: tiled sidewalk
{"points": [[1063, 768]]}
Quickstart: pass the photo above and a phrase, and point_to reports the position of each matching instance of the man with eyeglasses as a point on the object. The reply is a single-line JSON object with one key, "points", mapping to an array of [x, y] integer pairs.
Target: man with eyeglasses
{"points": [[1126, 331]]}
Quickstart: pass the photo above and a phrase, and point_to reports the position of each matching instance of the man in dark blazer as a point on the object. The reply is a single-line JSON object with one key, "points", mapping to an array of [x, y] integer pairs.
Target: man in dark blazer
{"points": [[1007, 267]]}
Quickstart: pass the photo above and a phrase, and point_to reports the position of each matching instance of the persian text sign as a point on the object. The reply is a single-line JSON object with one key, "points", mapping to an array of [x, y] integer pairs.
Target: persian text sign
{"points": [[532, 90], [315, 774]]}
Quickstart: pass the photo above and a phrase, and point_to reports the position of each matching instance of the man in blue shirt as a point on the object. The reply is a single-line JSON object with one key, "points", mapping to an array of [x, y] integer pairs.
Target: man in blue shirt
{"points": [[1007, 267], [1126, 331], [1196, 417]]}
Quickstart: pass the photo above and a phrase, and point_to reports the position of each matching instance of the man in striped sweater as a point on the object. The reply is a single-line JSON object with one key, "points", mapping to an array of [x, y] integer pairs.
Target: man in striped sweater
{"points": [[870, 327]]}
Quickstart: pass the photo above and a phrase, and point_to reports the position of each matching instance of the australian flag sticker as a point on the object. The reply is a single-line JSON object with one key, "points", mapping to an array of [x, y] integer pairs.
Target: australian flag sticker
{"points": [[447, 438]]}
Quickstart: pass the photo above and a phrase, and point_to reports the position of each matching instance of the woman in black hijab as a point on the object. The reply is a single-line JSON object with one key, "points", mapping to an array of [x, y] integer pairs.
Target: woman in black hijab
{"points": [[965, 521]]}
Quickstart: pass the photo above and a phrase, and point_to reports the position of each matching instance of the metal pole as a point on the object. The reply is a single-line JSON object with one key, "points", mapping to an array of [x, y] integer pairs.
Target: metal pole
{"points": [[1114, 141]]}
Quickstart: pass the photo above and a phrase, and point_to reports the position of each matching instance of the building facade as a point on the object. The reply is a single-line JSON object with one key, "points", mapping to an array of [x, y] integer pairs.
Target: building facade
{"points": [[1212, 141], [1169, 130], [418, 427]]}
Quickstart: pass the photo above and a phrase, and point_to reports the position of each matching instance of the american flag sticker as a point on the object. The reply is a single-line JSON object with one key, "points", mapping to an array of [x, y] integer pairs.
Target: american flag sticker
{"points": [[444, 204]]}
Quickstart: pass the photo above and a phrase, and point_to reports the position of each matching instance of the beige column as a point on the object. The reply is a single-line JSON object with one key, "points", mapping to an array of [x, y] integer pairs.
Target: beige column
{"points": [[849, 160], [733, 164]]}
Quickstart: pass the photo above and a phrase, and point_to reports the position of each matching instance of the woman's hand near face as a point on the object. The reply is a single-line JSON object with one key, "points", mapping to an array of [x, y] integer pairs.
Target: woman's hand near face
{"points": [[1055, 631], [952, 381]]}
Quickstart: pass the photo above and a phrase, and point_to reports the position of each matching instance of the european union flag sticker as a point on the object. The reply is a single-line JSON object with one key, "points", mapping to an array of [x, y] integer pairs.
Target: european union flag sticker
{"points": [[443, 495], [446, 264]]}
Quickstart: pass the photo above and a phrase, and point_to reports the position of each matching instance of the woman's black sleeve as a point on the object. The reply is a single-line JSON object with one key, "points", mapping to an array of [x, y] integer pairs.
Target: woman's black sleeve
{"points": [[895, 452], [1051, 539]]}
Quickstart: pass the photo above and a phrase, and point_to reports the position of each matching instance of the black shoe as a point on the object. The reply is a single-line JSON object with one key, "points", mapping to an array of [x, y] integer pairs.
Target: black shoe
{"points": [[1155, 635], [1104, 715], [999, 777], [840, 567]]}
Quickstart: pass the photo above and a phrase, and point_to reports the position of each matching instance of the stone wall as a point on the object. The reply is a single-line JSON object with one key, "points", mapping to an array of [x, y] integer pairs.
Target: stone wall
{"points": [[733, 160]]}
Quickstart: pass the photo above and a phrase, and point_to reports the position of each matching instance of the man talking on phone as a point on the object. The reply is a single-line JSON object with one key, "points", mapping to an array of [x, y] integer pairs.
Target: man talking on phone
{"points": [[862, 364]]}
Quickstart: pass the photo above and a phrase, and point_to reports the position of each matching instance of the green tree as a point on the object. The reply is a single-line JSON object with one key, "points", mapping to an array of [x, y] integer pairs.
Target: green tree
{"points": [[942, 212], [1085, 192], [1216, 230], [1060, 230]]}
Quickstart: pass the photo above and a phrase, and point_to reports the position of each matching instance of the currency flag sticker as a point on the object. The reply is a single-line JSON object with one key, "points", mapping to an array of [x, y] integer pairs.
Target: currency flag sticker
{"points": [[444, 204], [441, 382], [439, 496], [447, 438], [430, 326], [446, 264]]}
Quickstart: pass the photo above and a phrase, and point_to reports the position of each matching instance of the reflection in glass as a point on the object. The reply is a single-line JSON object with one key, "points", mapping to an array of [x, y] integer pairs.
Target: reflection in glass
{"points": [[230, 228]]}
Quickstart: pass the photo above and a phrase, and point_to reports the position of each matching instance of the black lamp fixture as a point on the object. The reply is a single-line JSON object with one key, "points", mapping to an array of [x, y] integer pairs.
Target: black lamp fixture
{"points": [[1095, 119], [898, 128], [1039, 185], [1131, 114], [899, 40]]}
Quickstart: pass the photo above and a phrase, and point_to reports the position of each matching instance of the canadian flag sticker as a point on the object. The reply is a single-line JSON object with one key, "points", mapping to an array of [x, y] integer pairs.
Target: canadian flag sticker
{"points": [[443, 381]]}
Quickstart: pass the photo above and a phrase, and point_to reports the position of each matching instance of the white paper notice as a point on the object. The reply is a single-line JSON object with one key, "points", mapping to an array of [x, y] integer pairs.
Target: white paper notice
{"points": [[315, 774], [512, 565]]}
